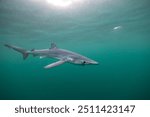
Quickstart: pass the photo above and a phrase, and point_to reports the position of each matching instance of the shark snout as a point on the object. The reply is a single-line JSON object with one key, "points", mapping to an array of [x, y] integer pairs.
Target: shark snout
{"points": [[93, 62]]}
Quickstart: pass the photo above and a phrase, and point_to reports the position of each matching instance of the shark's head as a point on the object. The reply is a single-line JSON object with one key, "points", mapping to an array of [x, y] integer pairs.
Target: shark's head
{"points": [[88, 62], [85, 61]]}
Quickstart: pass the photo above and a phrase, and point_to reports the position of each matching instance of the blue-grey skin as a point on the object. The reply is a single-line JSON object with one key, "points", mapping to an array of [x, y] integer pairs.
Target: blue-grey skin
{"points": [[61, 54]]}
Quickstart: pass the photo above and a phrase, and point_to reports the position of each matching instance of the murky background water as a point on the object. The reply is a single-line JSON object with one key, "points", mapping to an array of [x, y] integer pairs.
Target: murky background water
{"points": [[115, 33]]}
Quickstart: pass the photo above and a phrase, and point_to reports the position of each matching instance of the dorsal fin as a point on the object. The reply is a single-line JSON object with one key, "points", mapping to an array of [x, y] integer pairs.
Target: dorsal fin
{"points": [[53, 45]]}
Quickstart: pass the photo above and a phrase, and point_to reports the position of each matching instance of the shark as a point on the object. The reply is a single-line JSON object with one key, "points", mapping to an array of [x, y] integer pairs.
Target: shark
{"points": [[62, 55]]}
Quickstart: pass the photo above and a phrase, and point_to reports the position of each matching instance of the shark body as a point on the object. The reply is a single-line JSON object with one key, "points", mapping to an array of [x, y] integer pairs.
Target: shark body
{"points": [[61, 55]]}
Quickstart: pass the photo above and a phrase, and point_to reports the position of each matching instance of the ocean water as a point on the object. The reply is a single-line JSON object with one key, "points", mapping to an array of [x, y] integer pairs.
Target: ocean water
{"points": [[116, 33]]}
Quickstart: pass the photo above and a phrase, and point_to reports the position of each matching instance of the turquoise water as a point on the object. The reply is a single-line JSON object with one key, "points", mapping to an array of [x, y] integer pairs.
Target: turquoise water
{"points": [[116, 33]]}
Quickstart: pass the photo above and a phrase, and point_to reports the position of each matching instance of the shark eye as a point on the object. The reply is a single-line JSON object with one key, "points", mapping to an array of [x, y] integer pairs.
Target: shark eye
{"points": [[83, 62]]}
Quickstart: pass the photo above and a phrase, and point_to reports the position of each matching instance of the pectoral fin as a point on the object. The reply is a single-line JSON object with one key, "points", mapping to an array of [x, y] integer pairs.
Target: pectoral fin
{"points": [[54, 64]]}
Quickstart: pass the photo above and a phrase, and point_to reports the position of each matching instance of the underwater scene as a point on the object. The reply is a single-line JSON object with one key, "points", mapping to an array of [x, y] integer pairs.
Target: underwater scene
{"points": [[115, 34]]}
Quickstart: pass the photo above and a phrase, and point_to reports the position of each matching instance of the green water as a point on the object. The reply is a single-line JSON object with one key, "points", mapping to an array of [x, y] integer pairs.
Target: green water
{"points": [[116, 33]]}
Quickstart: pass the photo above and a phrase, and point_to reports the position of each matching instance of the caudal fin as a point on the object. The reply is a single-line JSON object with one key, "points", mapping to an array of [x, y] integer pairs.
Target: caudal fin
{"points": [[18, 49], [25, 55]]}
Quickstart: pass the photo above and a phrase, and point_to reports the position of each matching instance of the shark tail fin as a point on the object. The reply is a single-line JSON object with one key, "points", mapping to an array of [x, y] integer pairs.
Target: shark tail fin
{"points": [[25, 55], [18, 49]]}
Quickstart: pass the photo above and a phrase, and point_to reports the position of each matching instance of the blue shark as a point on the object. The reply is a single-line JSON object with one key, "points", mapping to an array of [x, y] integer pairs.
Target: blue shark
{"points": [[62, 55]]}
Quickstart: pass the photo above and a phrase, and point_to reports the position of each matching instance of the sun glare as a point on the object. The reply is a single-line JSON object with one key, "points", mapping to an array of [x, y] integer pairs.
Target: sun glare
{"points": [[60, 3]]}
